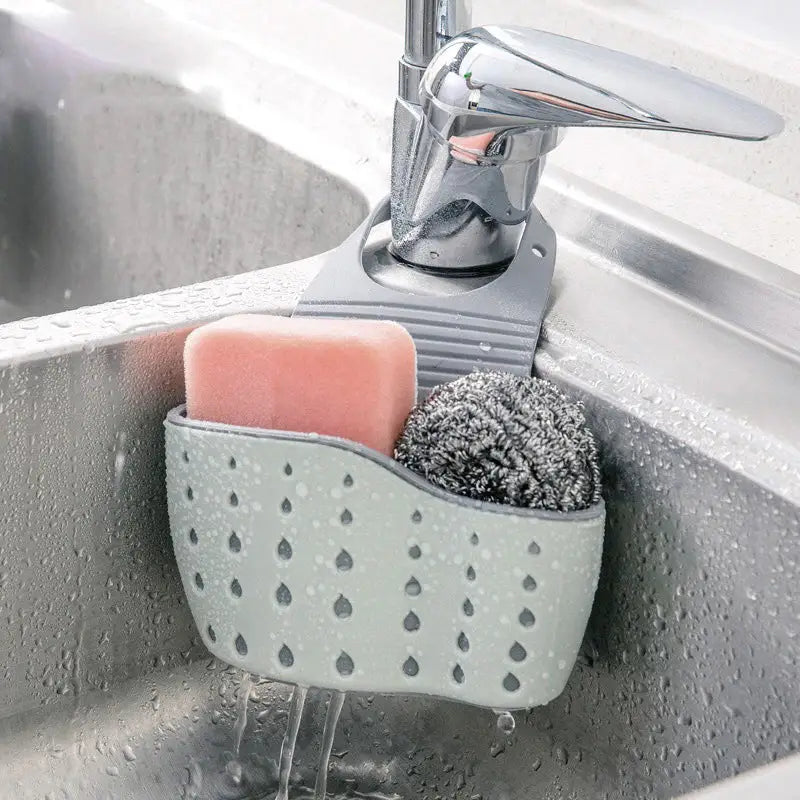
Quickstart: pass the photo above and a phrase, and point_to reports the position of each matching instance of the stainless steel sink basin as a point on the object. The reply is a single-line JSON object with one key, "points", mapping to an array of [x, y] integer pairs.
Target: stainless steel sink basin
{"points": [[688, 674], [114, 184]]}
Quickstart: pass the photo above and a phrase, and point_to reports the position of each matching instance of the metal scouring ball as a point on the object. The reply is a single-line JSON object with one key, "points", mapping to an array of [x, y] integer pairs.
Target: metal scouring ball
{"points": [[504, 438]]}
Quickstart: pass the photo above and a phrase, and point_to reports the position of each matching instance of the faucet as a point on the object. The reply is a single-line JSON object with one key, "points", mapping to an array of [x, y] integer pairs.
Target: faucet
{"points": [[476, 114], [478, 111]]}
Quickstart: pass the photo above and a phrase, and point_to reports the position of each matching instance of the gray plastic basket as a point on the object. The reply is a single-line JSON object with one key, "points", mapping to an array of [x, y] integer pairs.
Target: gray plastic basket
{"points": [[316, 561]]}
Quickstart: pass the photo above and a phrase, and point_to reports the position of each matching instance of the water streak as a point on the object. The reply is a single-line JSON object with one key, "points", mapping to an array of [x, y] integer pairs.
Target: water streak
{"points": [[289, 741], [234, 767], [331, 719], [245, 687]]}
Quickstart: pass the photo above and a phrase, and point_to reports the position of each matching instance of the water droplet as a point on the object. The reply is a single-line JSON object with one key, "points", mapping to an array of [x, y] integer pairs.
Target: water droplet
{"points": [[234, 770], [127, 752], [485, 347], [506, 723]]}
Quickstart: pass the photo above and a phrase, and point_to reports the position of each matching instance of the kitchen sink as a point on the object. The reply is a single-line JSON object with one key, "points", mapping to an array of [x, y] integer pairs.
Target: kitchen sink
{"points": [[158, 211], [115, 184]]}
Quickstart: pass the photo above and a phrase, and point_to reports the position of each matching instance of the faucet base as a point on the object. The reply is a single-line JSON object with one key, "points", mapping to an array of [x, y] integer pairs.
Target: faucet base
{"points": [[451, 213]]}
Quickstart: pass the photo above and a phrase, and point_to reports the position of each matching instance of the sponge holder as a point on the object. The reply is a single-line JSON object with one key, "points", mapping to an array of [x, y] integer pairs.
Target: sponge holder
{"points": [[317, 561]]}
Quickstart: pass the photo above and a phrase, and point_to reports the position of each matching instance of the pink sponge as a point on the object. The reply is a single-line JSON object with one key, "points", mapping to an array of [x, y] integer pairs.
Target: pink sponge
{"points": [[355, 379]]}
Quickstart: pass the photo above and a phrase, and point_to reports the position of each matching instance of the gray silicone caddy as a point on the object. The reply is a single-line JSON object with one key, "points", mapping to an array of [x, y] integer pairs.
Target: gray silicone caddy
{"points": [[319, 562]]}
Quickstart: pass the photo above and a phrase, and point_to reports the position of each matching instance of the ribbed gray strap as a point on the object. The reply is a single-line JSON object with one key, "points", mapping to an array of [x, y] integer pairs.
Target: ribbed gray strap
{"points": [[493, 327]]}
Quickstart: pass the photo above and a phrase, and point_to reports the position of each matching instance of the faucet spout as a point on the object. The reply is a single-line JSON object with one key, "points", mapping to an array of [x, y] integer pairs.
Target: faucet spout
{"points": [[494, 101]]}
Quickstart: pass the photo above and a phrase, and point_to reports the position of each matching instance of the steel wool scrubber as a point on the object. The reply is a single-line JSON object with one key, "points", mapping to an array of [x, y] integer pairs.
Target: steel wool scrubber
{"points": [[319, 562]]}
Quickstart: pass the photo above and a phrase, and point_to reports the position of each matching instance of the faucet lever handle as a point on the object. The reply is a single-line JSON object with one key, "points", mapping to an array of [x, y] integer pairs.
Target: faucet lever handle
{"points": [[496, 78]]}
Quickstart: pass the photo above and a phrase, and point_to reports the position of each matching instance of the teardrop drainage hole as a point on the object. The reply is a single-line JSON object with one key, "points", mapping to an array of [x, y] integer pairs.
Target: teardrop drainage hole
{"points": [[284, 550], [410, 667], [511, 682], [283, 595], [344, 561], [344, 664], [526, 618], [411, 623], [285, 657], [342, 607]]}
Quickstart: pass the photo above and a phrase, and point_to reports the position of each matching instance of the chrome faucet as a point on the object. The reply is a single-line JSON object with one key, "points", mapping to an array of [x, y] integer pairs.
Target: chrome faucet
{"points": [[478, 110]]}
